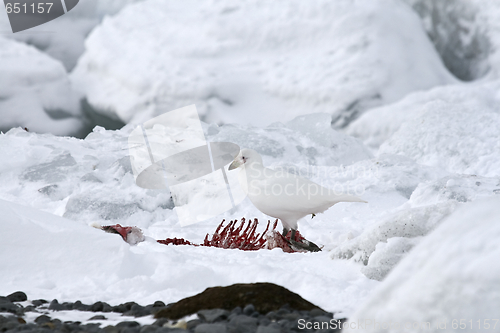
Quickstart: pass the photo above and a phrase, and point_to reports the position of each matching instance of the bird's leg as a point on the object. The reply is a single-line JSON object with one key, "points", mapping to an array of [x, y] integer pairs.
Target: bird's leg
{"points": [[293, 234], [285, 232]]}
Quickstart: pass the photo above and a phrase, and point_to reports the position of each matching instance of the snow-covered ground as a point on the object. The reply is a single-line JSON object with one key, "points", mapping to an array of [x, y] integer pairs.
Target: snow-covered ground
{"points": [[352, 95]]}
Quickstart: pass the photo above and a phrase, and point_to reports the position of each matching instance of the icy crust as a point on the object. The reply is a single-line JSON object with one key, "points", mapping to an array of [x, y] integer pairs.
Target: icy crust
{"points": [[91, 180], [86, 180], [452, 274], [305, 140], [35, 91], [339, 57], [452, 127]]}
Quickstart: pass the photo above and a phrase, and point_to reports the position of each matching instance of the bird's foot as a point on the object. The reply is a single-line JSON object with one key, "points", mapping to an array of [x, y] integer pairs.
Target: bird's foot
{"points": [[304, 244]]}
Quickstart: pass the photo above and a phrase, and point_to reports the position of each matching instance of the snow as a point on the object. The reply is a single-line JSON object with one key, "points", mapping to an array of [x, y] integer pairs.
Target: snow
{"points": [[38, 85], [339, 57], [66, 259], [63, 39], [465, 33], [450, 278], [479, 100]]}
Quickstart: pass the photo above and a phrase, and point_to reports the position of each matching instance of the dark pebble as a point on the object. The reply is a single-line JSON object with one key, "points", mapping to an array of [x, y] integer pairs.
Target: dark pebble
{"points": [[193, 323], [211, 328], [7, 306], [54, 305], [78, 305], [213, 315], [249, 309], [98, 317], [137, 311], [124, 324], [111, 329], [17, 296], [148, 329], [42, 319], [272, 328], [160, 322], [242, 321], [317, 312], [39, 302], [158, 304]]}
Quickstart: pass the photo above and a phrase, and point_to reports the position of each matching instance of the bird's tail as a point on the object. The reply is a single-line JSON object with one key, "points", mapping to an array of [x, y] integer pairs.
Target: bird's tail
{"points": [[349, 198]]}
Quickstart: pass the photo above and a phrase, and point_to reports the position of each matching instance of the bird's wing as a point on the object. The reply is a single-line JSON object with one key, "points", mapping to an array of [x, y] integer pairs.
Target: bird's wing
{"points": [[298, 194]]}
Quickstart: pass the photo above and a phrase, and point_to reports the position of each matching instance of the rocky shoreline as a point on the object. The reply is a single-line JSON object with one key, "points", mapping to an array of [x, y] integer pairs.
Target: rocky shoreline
{"points": [[17, 314]]}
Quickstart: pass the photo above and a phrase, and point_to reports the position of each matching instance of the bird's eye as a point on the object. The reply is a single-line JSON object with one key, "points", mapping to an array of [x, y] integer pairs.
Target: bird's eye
{"points": [[244, 158]]}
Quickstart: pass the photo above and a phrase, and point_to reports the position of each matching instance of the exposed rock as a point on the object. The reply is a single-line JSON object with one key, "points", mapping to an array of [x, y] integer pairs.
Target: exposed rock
{"points": [[265, 297]]}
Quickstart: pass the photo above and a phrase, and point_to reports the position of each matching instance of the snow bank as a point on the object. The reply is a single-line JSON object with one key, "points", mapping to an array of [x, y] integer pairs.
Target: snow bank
{"points": [[381, 244], [459, 137], [453, 127], [450, 278], [35, 92], [256, 62], [63, 38]]}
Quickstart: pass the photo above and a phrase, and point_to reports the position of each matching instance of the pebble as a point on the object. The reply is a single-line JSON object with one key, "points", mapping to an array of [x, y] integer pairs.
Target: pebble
{"points": [[243, 320]]}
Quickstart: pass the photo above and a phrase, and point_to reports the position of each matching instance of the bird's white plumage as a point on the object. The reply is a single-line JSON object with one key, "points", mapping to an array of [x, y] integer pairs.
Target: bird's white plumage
{"points": [[283, 195]]}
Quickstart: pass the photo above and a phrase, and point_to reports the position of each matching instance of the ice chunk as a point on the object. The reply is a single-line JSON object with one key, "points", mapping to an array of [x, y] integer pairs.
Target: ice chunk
{"points": [[35, 92], [452, 274], [387, 255]]}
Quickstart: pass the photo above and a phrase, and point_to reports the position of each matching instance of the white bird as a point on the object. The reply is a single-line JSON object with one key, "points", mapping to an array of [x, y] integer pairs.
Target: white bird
{"points": [[283, 195]]}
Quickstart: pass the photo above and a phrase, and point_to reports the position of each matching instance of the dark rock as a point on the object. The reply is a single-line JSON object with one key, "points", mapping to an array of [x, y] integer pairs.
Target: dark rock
{"points": [[7, 306], [120, 308], [249, 309], [321, 319], [97, 307], [237, 310], [271, 315], [148, 329], [124, 324], [98, 317], [264, 321], [137, 311], [30, 308], [130, 329], [78, 305], [158, 304], [17, 296], [9, 325], [210, 328], [272, 328], [264, 296], [160, 322], [213, 315], [39, 302], [243, 324], [111, 329], [42, 319], [317, 312], [190, 325], [54, 305]]}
